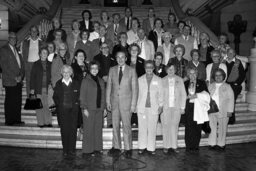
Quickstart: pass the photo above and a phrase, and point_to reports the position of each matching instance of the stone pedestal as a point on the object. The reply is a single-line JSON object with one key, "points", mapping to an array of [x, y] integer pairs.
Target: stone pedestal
{"points": [[251, 95]]}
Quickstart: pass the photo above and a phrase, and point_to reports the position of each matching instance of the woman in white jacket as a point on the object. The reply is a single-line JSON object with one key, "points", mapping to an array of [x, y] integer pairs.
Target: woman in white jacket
{"points": [[223, 95], [149, 106]]}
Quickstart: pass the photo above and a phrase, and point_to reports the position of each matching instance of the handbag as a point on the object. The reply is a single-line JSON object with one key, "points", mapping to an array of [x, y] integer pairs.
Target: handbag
{"points": [[213, 107], [33, 103]]}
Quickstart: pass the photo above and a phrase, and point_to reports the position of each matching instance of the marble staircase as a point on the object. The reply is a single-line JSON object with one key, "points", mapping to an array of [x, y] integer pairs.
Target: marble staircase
{"points": [[32, 136]]}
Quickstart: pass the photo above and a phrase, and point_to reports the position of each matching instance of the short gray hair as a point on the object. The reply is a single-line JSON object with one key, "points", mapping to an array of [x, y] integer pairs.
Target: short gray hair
{"points": [[66, 67]]}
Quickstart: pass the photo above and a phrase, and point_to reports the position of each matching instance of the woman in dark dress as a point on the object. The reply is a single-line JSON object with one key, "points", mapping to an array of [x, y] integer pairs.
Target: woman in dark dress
{"points": [[192, 129], [80, 70], [66, 98]]}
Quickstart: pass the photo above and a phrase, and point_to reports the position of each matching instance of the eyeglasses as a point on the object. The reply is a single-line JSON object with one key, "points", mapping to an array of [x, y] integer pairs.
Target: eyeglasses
{"points": [[218, 75]]}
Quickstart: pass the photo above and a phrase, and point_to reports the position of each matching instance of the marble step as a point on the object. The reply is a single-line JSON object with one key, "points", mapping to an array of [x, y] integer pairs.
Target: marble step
{"points": [[30, 118], [32, 129], [32, 141]]}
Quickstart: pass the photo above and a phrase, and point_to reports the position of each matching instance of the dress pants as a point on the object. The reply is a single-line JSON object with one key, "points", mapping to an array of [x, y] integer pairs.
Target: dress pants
{"points": [[218, 130], [68, 129], [192, 129], [237, 90], [92, 134], [170, 120], [147, 130], [124, 115], [44, 116], [12, 104], [28, 68]]}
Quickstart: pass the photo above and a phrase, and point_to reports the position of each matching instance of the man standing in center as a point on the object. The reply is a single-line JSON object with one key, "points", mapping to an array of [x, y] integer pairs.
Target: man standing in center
{"points": [[121, 98]]}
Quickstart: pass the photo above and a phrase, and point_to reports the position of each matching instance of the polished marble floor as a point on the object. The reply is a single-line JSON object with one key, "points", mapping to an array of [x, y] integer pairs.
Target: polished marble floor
{"points": [[240, 157]]}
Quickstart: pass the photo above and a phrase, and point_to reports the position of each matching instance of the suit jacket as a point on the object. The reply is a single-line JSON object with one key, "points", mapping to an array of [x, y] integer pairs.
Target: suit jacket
{"points": [[124, 94], [149, 48], [208, 54], [122, 22], [10, 67], [105, 63], [89, 48], [147, 26], [57, 64], [156, 94], [25, 48], [51, 37], [88, 94], [154, 38], [160, 71], [226, 98], [96, 43], [111, 31], [36, 77], [82, 26], [58, 97], [140, 70], [180, 95], [78, 72]]}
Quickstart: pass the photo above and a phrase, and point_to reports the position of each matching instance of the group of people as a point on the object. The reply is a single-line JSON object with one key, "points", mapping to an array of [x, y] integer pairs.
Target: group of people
{"points": [[144, 75]]}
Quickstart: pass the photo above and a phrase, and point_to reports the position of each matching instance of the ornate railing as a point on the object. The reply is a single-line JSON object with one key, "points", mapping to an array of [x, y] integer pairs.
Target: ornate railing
{"points": [[43, 20]]}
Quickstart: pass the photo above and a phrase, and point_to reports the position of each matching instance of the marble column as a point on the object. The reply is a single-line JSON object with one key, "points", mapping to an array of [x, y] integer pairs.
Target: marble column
{"points": [[251, 95]]}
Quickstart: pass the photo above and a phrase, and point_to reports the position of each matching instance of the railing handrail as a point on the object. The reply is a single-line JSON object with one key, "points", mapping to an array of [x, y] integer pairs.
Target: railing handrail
{"points": [[195, 21], [24, 31]]}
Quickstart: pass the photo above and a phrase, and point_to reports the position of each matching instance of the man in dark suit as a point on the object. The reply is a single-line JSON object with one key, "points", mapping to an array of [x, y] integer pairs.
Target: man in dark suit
{"points": [[127, 20], [13, 73], [115, 28], [121, 99], [86, 24], [148, 23]]}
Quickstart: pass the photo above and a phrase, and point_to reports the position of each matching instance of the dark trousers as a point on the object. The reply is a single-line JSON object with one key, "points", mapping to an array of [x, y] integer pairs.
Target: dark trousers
{"points": [[237, 90], [12, 104], [134, 119], [68, 129], [192, 129], [92, 135]]}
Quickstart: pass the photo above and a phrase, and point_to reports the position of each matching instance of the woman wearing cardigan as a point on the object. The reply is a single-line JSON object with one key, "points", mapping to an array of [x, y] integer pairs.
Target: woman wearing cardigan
{"points": [[223, 95], [92, 102], [149, 106], [39, 82], [174, 96], [66, 99], [195, 63]]}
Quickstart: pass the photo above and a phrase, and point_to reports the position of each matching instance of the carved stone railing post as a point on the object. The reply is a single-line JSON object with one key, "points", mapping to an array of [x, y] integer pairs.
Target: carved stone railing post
{"points": [[251, 95]]}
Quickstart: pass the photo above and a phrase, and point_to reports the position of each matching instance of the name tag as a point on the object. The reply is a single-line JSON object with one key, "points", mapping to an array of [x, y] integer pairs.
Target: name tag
{"points": [[154, 83], [75, 90]]}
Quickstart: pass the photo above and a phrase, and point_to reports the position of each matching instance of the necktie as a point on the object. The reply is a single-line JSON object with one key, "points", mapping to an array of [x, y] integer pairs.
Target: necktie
{"points": [[120, 74], [16, 56], [128, 23], [115, 29]]}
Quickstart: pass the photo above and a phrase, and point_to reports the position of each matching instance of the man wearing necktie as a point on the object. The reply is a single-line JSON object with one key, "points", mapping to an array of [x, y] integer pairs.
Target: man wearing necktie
{"points": [[12, 74], [121, 98], [127, 20]]}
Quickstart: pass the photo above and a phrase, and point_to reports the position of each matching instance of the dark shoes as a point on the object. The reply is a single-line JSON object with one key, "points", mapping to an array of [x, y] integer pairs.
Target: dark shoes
{"points": [[142, 151], [42, 126], [128, 153], [170, 151], [114, 152], [110, 126], [217, 148]]}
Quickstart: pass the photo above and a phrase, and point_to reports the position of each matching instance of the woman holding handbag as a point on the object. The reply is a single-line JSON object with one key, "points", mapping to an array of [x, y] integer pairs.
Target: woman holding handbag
{"points": [[223, 95], [39, 82]]}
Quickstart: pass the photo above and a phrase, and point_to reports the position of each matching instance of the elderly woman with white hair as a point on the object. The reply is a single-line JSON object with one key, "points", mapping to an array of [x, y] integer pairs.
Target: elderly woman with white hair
{"points": [[66, 99], [167, 47]]}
